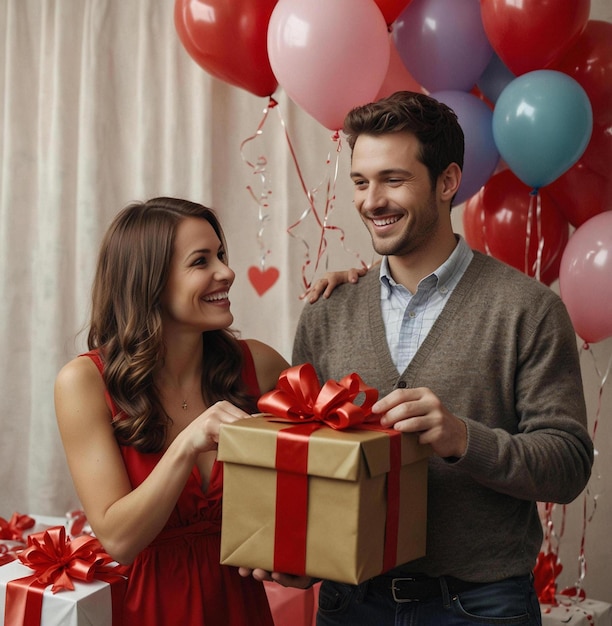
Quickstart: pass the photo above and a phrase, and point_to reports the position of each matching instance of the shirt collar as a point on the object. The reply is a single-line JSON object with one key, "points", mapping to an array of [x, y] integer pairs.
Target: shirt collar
{"points": [[447, 274]]}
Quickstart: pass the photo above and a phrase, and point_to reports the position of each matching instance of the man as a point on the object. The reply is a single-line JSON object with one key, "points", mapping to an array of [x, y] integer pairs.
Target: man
{"points": [[476, 357]]}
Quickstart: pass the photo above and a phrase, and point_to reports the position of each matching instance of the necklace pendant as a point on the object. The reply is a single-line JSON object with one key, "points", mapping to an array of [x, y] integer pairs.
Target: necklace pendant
{"points": [[184, 405]]}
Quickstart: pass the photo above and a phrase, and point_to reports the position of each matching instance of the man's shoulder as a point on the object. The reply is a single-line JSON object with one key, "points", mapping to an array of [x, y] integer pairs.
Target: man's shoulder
{"points": [[506, 277]]}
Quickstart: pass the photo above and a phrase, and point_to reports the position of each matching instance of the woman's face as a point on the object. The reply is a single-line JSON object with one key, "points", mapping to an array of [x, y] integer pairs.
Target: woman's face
{"points": [[196, 293]]}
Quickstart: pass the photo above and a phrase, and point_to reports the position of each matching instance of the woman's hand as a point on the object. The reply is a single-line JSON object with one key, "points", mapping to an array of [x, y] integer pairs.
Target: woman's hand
{"points": [[324, 286], [286, 580], [203, 432]]}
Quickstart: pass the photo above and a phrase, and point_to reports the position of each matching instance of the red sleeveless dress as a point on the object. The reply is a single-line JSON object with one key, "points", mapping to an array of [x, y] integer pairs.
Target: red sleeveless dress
{"points": [[177, 579]]}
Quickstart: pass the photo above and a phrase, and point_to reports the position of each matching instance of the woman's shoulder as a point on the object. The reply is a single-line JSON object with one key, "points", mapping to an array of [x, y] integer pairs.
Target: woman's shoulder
{"points": [[79, 384], [79, 371], [268, 362]]}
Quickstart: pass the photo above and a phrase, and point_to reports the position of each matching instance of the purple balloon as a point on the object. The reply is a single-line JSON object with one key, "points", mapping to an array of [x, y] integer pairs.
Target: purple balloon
{"points": [[443, 43], [481, 153], [494, 79]]}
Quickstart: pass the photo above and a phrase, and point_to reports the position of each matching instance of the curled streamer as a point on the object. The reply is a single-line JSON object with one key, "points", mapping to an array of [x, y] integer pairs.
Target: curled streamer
{"points": [[321, 218], [590, 495], [259, 169]]}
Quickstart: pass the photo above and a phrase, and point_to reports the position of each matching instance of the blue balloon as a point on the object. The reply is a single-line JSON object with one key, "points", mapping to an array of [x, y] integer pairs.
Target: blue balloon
{"points": [[542, 124]]}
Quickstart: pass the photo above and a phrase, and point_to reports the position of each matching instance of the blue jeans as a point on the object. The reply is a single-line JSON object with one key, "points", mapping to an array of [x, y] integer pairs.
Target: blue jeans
{"points": [[509, 601]]}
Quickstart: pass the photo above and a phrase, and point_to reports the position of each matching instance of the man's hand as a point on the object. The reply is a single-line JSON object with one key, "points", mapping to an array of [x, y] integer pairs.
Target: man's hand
{"points": [[420, 411]]}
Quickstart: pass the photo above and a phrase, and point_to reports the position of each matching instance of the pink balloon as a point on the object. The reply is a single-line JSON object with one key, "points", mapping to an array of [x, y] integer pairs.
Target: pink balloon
{"points": [[328, 55], [585, 278]]}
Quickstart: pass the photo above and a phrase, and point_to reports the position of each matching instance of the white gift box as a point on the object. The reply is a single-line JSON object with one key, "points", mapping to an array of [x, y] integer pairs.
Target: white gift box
{"points": [[584, 613], [88, 605]]}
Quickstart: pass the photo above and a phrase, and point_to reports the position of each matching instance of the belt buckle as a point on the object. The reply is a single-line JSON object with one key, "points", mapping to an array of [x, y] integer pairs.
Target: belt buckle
{"points": [[394, 590]]}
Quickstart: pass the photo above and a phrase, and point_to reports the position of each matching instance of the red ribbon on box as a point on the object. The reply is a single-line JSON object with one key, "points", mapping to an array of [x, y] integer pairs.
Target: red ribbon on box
{"points": [[57, 560], [12, 529], [8, 554], [299, 397]]}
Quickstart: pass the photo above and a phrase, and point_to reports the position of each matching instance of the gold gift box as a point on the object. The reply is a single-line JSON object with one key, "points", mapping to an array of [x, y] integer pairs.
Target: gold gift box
{"points": [[347, 499]]}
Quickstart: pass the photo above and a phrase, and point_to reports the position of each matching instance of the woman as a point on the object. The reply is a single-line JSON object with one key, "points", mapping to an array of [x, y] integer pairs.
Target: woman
{"points": [[139, 414]]}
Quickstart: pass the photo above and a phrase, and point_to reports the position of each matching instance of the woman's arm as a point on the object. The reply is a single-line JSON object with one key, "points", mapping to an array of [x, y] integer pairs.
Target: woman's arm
{"points": [[125, 520]]}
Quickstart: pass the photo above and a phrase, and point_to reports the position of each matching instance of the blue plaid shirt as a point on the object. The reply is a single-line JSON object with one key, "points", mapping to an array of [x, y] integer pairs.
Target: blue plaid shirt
{"points": [[409, 317]]}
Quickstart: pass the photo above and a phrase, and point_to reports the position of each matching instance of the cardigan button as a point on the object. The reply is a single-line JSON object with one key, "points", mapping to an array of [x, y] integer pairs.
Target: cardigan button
{"points": [[401, 384]]}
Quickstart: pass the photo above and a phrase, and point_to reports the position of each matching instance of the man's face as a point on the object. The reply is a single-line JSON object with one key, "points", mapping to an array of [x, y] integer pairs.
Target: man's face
{"points": [[393, 193]]}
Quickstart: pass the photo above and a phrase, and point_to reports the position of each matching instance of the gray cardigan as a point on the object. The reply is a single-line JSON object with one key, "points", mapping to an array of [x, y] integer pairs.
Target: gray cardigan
{"points": [[503, 357]]}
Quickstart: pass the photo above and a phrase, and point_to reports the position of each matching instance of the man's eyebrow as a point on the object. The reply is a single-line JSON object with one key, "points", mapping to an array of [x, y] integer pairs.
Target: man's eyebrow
{"points": [[387, 172]]}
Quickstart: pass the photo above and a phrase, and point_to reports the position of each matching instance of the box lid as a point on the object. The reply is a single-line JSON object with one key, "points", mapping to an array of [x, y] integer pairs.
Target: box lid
{"points": [[338, 454]]}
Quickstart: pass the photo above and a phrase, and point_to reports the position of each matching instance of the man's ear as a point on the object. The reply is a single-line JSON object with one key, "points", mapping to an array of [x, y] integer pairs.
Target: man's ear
{"points": [[449, 181]]}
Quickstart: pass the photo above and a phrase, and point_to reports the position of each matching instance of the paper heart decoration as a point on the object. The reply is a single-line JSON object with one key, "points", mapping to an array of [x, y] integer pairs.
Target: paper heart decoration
{"points": [[262, 280]]}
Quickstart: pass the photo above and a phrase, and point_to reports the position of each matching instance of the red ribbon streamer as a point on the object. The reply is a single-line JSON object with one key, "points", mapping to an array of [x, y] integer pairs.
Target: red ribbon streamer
{"points": [[299, 398], [13, 529], [57, 561], [77, 520], [545, 573]]}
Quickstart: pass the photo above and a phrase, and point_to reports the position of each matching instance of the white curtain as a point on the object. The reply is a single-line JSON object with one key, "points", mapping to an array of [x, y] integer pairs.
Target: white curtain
{"points": [[100, 105]]}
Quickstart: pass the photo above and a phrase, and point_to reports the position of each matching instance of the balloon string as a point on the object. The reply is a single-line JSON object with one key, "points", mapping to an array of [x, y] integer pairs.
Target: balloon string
{"points": [[310, 209], [534, 199], [483, 221], [587, 518], [259, 169], [538, 261], [328, 185], [528, 232], [552, 539]]}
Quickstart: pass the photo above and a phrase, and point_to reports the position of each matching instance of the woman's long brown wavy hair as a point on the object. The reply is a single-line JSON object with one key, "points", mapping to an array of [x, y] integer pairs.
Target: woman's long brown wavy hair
{"points": [[126, 327]]}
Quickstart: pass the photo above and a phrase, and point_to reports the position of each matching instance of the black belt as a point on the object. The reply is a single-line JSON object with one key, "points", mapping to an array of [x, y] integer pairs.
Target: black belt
{"points": [[419, 587]]}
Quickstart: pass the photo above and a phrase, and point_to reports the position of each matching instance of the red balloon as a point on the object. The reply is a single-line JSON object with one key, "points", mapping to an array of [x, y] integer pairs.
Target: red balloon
{"points": [[589, 62], [598, 153], [581, 193], [391, 8], [474, 223], [229, 40], [531, 34], [495, 222], [397, 78]]}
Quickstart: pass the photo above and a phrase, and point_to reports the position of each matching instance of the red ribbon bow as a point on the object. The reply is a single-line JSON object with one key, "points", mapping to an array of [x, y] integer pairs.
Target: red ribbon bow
{"points": [[7, 554], [58, 561], [13, 529], [299, 397]]}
